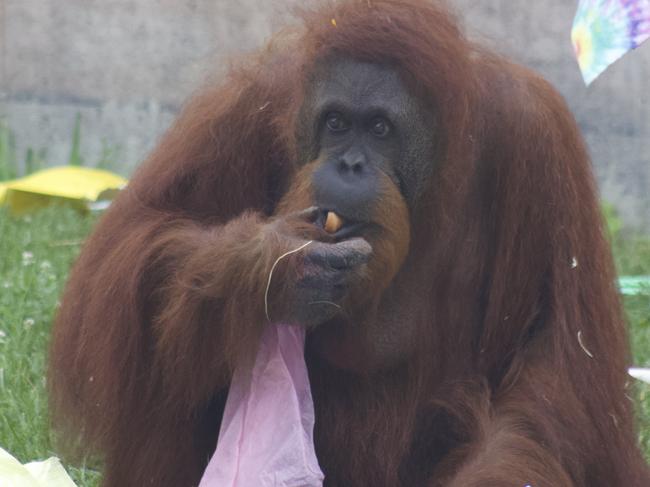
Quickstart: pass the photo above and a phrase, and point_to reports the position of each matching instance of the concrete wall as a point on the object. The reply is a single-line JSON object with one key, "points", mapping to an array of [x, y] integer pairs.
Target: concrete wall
{"points": [[127, 65], [124, 65]]}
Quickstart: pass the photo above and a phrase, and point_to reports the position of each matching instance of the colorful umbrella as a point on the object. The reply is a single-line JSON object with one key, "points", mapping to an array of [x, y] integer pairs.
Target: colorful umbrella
{"points": [[604, 30]]}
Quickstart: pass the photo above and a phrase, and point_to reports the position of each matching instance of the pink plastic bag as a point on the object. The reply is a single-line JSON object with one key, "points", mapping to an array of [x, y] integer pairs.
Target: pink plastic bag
{"points": [[266, 435]]}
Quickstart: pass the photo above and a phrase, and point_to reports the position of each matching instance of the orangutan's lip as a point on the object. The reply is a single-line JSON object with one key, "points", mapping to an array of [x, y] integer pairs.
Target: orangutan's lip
{"points": [[349, 230]]}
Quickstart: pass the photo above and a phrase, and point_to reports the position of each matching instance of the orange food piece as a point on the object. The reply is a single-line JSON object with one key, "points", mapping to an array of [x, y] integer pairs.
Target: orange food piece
{"points": [[333, 222]]}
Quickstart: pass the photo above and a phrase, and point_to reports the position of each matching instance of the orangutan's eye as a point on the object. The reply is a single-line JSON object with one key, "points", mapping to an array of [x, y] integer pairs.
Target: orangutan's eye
{"points": [[380, 127], [336, 123]]}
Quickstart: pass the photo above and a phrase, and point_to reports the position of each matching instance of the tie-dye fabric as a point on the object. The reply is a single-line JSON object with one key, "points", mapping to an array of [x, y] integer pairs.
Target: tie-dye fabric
{"points": [[604, 30]]}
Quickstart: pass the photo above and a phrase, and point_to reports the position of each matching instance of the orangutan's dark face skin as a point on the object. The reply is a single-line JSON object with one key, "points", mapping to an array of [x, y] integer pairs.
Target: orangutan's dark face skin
{"points": [[365, 122], [370, 154]]}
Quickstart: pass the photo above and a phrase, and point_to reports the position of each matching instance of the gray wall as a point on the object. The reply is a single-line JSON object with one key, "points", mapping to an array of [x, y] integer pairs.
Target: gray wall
{"points": [[127, 65]]}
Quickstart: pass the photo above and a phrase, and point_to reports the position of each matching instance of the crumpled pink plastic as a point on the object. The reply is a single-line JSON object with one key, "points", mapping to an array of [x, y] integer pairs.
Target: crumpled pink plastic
{"points": [[266, 436]]}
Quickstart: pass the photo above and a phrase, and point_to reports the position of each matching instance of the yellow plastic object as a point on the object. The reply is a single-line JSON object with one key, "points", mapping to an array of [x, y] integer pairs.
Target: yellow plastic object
{"points": [[48, 473], [81, 187]]}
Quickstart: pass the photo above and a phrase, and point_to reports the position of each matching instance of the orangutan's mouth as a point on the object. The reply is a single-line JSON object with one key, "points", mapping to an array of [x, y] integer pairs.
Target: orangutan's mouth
{"points": [[350, 230], [340, 227]]}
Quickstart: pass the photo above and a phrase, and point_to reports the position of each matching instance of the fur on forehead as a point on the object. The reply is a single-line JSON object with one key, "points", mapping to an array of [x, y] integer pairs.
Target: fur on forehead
{"points": [[419, 41]]}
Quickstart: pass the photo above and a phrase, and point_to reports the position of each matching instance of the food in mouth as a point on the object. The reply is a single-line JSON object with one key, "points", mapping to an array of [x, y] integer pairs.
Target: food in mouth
{"points": [[333, 222]]}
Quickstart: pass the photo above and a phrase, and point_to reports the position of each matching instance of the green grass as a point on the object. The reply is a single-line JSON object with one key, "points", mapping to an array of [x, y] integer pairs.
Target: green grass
{"points": [[35, 255], [632, 255]]}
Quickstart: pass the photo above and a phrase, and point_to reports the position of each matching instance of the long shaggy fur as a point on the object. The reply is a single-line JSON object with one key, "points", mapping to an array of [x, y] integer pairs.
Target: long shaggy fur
{"points": [[499, 391]]}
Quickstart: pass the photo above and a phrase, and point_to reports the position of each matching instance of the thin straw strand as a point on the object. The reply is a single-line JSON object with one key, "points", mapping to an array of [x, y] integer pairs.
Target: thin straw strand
{"points": [[268, 284]]}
